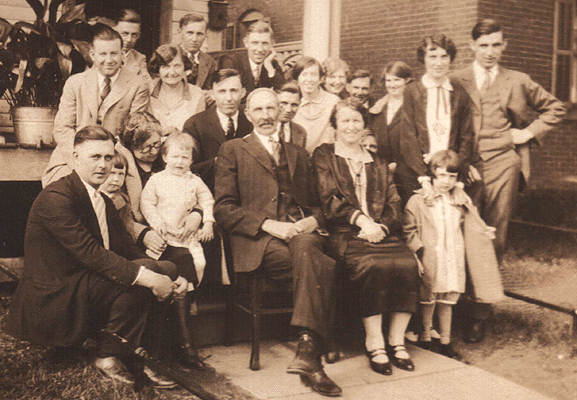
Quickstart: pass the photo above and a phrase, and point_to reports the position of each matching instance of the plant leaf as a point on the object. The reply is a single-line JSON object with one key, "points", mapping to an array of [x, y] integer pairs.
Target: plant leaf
{"points": [[5, 28], [38, 8], [21, 74], [77, 12]]}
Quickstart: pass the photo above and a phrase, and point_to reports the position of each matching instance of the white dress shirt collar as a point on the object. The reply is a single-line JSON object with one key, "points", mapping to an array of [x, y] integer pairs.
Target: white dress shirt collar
{"points": [[101, 78], [480, 72], [224, 119], [264, 139], [429, 83]]}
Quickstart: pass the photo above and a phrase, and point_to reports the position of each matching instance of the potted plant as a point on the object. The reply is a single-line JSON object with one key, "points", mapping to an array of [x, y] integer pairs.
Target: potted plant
{"points": [[35, 61]]}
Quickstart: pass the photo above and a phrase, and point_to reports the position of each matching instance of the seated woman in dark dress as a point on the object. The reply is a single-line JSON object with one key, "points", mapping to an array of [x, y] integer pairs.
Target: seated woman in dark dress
{"points": [[363, 215]]}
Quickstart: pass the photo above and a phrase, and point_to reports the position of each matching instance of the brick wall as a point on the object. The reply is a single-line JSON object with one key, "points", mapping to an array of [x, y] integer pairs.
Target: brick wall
{"points": [[286, 16]]}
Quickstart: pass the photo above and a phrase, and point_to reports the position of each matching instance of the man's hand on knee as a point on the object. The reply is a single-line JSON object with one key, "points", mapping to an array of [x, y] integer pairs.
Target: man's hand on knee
{"points": [[161, 285], [307, 225], [282, 230]]}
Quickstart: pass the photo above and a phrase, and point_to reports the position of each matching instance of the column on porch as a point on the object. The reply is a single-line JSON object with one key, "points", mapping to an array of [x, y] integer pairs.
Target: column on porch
{"points": [[321, 33]]}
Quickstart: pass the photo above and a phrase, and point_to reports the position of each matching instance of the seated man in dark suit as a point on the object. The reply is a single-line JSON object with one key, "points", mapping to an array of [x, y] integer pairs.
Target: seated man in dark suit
{"points": [[78, 277], [257, 66], [219, 123], [265, 200], [289, 97]]}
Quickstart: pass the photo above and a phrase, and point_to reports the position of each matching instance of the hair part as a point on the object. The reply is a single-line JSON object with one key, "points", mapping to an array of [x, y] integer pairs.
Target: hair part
{"points": [[102, 31], [222, 74], [290, 87], [162, 56], [259, 27], [128, 15], [191, 18], [345, 104], [434, 41], [485, 27], [447, 159], [137, 128], [183, 140], [303, 63], [400, 69], [93, 132]]}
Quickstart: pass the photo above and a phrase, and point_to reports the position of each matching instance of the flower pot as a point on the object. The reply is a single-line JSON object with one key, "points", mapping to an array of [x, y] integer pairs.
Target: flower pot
{"points": [[34, 125]]}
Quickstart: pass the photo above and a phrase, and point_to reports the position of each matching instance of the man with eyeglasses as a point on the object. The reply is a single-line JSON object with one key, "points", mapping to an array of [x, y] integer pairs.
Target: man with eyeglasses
{"points": [[103, 95]]}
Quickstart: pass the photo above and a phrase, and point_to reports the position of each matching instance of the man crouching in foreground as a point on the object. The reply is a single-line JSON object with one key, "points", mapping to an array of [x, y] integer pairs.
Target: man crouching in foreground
{"points": [[77, 276]]}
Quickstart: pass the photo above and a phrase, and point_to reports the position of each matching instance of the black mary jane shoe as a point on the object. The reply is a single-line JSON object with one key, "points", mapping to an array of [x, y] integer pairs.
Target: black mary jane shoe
{"points": [[401, 363], [379, 368]]}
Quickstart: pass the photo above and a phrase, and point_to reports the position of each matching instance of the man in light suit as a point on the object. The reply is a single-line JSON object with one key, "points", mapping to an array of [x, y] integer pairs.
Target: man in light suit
{"points": [[265, 200], [289, 96], [198, 65], [504, 105], [257, 66], [219, 123], [103, 95], [128, 26], [78, 277]]}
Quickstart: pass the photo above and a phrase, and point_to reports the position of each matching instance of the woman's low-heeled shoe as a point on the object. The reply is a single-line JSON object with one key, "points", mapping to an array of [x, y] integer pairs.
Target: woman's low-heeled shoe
{"points": [[402, 363], [379, 368]]}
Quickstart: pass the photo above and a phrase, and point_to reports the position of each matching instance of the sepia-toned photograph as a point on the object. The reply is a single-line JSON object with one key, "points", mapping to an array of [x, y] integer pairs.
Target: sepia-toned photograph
{"points": [[288, 199]]}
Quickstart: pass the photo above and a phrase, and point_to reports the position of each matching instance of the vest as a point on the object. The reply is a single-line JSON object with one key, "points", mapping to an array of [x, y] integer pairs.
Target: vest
{"points": [[287, 208], [494, 135]]}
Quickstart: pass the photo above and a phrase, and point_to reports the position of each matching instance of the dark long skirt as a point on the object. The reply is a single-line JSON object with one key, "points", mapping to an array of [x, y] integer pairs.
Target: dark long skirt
{"points": [[386, 275]]}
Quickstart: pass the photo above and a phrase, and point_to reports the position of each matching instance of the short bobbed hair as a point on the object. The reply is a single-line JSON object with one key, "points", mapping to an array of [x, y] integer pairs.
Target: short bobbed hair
{"points": [[485, 27], [447, 159], [434, 41], [303, 63], [93, 132], [162, 56], [137, 128], [345, 104], [399, 69], [332, 65], [119, 161]]}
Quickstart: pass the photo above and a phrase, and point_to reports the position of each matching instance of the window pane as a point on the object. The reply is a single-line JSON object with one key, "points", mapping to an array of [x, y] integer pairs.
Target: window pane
{"points": [[229, 37], [562, 88]]}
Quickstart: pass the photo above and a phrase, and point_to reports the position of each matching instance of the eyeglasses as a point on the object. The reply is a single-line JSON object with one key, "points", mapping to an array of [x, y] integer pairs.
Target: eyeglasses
{"points": [[147, 149]]}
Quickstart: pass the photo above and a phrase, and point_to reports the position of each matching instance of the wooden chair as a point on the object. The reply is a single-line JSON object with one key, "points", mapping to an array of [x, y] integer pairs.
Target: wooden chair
{"points": [[251, 302]]}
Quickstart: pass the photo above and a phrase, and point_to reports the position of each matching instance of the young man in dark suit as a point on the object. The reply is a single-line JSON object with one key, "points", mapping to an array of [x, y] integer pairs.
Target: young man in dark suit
{"points": [[266, 202], [219, 123], [198, 65], [289, 96], [257, 66], [78, 277], [504, 104]]}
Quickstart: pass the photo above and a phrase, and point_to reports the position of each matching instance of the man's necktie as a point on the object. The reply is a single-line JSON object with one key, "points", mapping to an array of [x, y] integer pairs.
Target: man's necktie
{"points": [[106, 90], [486, 83], [100, 210], [275, 145], [193, 72], [256, 74], [230, 129], [281, 134]]}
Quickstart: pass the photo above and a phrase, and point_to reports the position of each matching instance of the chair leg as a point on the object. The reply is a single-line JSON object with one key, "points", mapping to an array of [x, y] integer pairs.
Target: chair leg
{"points": [[256, 299], [229, 315]]}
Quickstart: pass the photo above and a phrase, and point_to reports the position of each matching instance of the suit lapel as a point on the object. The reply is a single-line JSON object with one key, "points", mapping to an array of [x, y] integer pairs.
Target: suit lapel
{"points": [[470, 85], [88, 210], [90, 87], [254, 147], [117, 92], [291, 156], [504, 86], [244, 126], [421, 118], [216, 128], [202, 69]]}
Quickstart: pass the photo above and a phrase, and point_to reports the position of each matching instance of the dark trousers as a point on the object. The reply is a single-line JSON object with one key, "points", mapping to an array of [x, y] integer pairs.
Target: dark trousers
{"points": [[313, 276], [118, 309]]}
